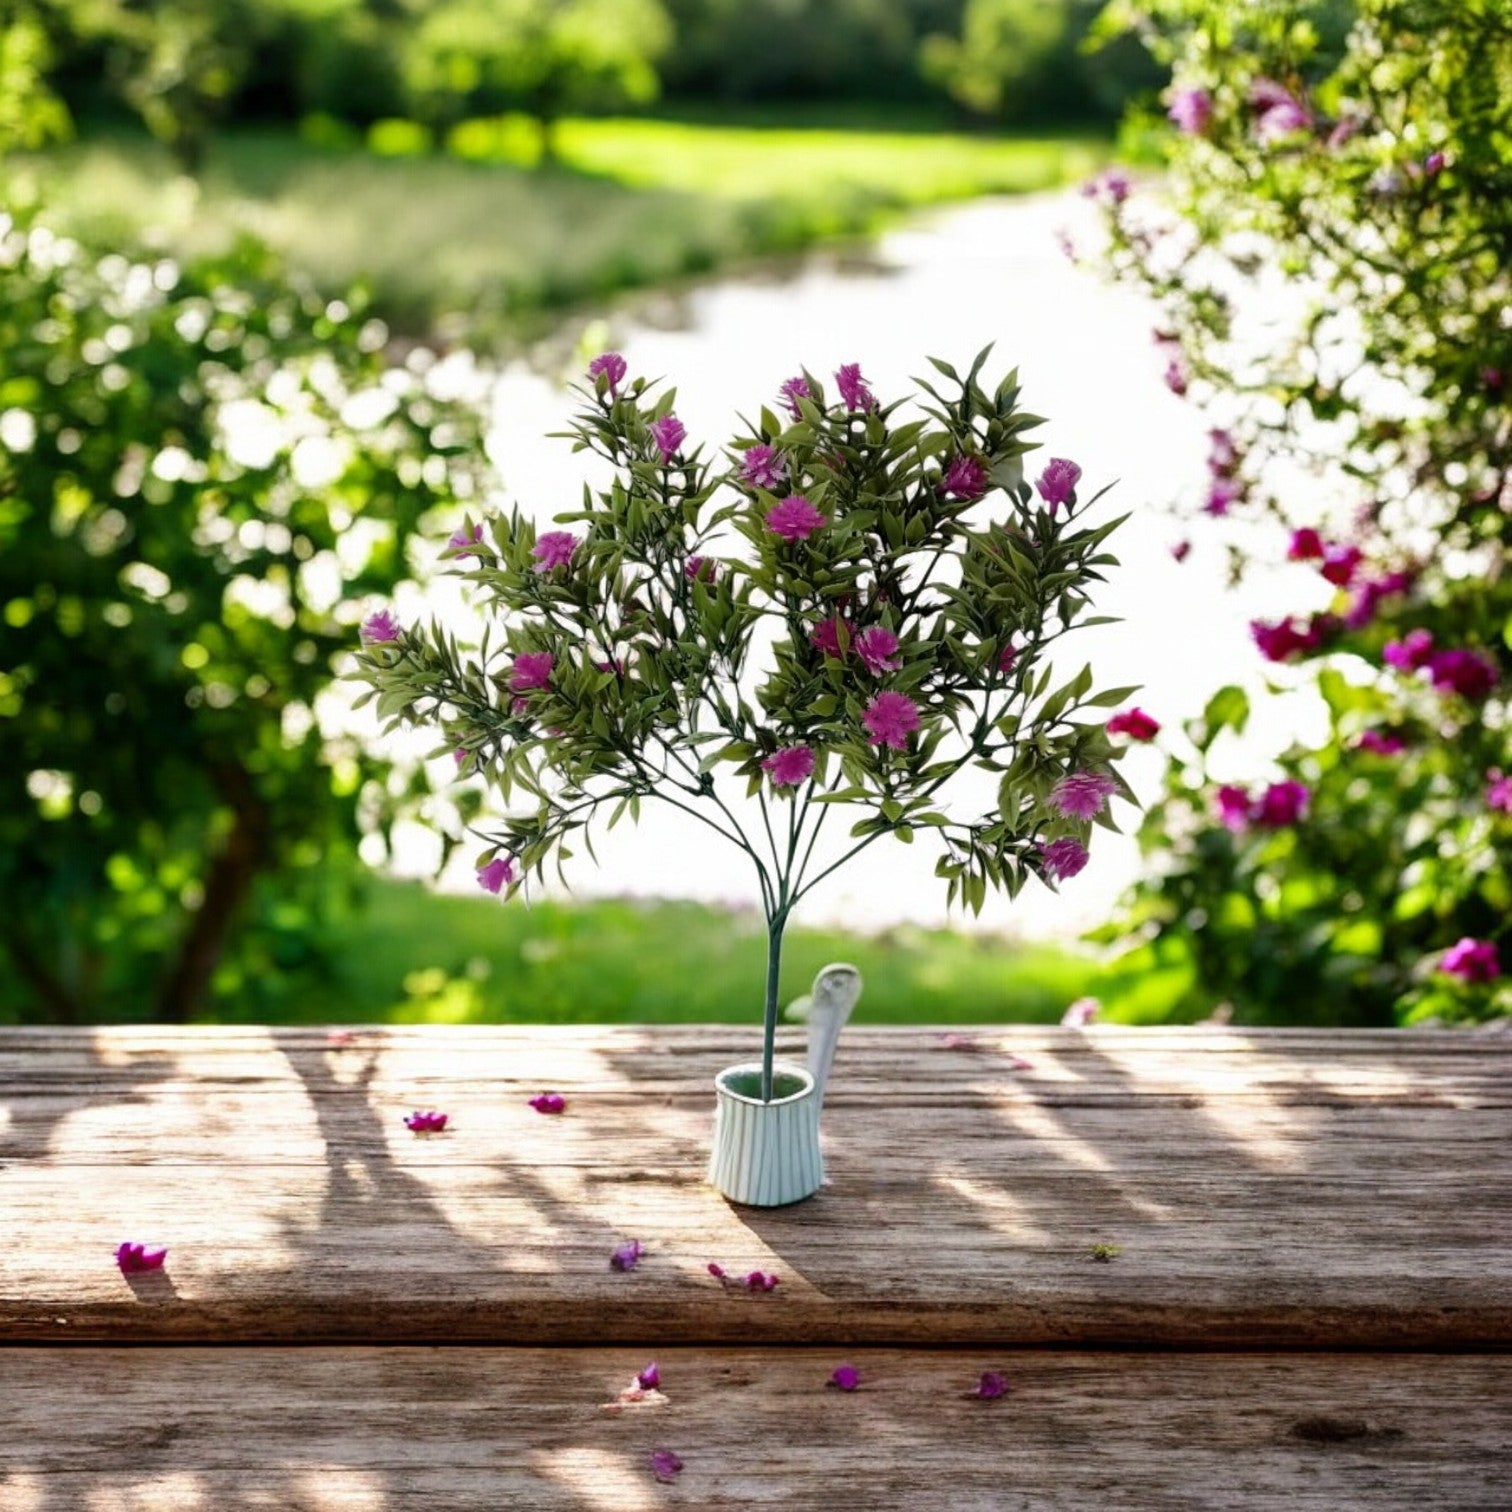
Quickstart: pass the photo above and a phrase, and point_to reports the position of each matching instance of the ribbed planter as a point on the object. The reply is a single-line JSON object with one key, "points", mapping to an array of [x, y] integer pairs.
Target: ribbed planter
{"points": [[766, 1154]]}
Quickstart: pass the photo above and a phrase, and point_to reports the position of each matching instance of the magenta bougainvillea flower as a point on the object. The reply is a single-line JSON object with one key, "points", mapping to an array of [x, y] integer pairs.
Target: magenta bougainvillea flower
{"points": [[890, 718], [1381, 743], [1063, 858], [1306, 546], [1175, 377], [668, 433], [794, 519], [991, 1386], [627, 1256], [1471, 674], [1134, 723], [763, 467], [1191, 110], [531, 670], [462, 541], [966, 479], [1281, 804], [134, 1259], [1340, 563], [1058, 482], [1083, 1011], [380, 628], [497, 875], [649, 1379], [1007, 658], [854, 393], [844, 1378], [877, 647], [1370, 594], [549, 1102], [609, 365], [790, 765], [429, 1122], [1434, 164], [833, 636], [1472, 960], [1279, 641], [666, 1466], [1233, 807], [1082, 795], [1498, 791], [554, 549], [1410, 654]]}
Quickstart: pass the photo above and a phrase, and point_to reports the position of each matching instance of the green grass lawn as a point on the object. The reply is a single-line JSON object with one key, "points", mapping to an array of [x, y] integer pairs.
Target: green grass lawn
{"points": [[476, 244], [414, 956]]}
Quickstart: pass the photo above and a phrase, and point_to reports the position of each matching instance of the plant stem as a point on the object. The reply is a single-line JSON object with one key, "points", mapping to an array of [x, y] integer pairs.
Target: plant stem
{"points": [[775, 926]]}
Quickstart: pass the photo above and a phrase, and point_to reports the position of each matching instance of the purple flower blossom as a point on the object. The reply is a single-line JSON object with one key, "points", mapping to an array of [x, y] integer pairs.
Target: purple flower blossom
{"points": [[1222, 493], [554, 549], [1498, 791], [763, 467], [649, 1379], [1278, 112], [1233, 807], [790, 766], [498, 874], [462, 541], [965, 478], [665, 1465], [1134, 723], [1282, 804], [1410, 654], [1084, 1011], [1175, 377], [1434, 164], [1181, 550], [1493, 379], [1340, 563], [853, 390], [701, 569], [136, 1258], [1112, 186], [760, 1281], [1063, 858], [1381, 743], [890, 718], [1223, 455], [1471, 674], [1472, 960], [1306, 546], [1279, 641], [427, 1122], [794, 519], [627, 1256], [531, 670], [877, 647], [717, 1271], [608, 365], [844, 1378], [990, 1387], [1058, 482], [794, 390], [833, 636], [668, 433], [1007, 659], [549, 1102], [380, 628], [1191, 110], [1082, 795]]}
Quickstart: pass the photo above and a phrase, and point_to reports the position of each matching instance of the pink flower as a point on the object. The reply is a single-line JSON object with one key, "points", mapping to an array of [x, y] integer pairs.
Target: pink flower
{"points": [[426, 1123], [668, 433], [1381, 743], [890, 718], [615, 664], [1233, 807], [701, 569], [833, 636], [627, 1256], [1434, 164], [1281, 804], [853, 390], [608, 365], [1082, 795], [717, 1271], [554, 549], [877, 647], [1181, 550], [761, 1281], [1112, 185], [1223, 455], [1279, 112], [1175, 377], [665, 1465], [1082, 1012], [1340, 563], [844, 1378], [549, 1102], [1058, 482], [462, 542], [136, 1258], [1063, 858], [1306, 546], [794, 390], [1007, 659], [1134, 723], [966, 478], [794, 519], [649, 1379], [1410, 654], [763, 467], [1498, 791], [790, 766], [1191, 110], [531, 670], [1279, 641], [380, 628], [990, 1387], [1468, 673], [1472, 960], [498, 874], [1493, 379], [1222, 493]]}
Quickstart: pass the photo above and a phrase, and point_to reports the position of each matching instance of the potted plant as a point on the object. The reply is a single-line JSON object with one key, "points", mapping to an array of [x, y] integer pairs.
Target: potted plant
{"points": [[801, 641]]}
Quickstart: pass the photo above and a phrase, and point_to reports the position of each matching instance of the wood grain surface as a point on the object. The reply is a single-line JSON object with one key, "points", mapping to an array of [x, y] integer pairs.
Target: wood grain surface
{"points": [[479, 1430], [1263, 1189]]}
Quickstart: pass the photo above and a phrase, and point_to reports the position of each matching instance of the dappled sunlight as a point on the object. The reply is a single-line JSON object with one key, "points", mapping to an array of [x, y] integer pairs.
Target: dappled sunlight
{"points": [[340, 1488], [181, 1490], [1006, 1213], [600, 1478], [22, 1491]]}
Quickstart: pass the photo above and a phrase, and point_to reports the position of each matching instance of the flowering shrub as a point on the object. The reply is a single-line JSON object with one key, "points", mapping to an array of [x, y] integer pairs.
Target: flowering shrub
{"points": [[843, 611], [1343, 174]]}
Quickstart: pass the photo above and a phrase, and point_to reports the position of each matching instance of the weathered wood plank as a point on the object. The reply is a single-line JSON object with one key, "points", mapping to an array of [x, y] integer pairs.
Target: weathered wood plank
{"points": [[1279, 1188], [462, 1430]]}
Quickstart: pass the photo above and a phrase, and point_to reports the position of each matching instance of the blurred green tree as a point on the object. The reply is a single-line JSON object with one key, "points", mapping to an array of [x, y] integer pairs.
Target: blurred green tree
{"points": [[30, 113]]}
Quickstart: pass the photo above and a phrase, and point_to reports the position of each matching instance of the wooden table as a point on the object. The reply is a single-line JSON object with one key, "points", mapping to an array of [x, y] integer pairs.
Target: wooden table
{"points": [[1303, 1300]]}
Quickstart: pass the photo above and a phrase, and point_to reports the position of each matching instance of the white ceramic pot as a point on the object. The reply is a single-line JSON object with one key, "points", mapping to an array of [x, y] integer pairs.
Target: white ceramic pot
{"points": [[766, 1154]]}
